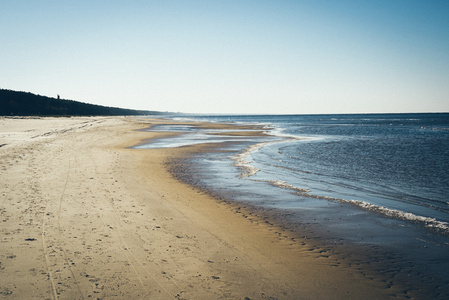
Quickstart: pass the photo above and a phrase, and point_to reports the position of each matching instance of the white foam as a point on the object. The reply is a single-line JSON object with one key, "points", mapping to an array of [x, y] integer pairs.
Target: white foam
{"points": [[426, 221], [242, 160], [392, 213], [285, 185], [280, 132]]}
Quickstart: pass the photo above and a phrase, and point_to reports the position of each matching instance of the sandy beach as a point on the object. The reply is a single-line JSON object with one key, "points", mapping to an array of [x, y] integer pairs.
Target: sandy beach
{"points": [[84, 216]]}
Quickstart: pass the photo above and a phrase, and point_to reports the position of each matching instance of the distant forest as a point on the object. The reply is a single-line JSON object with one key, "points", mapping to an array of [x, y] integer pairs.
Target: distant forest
{"points": [[14, 103]]}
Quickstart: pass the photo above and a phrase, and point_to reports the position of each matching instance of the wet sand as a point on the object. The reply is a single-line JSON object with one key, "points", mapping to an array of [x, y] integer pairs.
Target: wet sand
{"points": [[84, 216]]}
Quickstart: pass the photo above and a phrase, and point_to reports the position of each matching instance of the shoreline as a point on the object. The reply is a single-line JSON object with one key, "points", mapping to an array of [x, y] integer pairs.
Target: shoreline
{"points": [[85, 216], [374, 261]]}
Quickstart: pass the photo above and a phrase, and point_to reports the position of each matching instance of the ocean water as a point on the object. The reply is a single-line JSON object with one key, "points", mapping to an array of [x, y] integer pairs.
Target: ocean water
{"points": [[377, 180]]}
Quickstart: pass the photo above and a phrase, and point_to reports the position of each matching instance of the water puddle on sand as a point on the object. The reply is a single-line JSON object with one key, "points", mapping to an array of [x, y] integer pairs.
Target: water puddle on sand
{"points": [[191, 135]]}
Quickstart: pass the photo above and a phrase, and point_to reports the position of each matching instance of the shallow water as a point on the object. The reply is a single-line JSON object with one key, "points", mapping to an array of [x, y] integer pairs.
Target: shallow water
{"points": [[379, 181]]}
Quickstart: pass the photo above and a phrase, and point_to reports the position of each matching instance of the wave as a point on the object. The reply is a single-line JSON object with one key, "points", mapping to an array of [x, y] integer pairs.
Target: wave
{"points": [[284, 185], [243, 162], [428, 222], [432, 223]]}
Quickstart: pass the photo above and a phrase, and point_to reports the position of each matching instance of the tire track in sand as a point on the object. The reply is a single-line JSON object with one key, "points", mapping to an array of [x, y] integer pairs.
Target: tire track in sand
{"points": [[45, 248], [47, 256], [60, 233], [128, 253]]}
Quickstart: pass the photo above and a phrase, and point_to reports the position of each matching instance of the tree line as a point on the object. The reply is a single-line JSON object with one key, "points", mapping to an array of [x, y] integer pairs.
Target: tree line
{"points": [[15, 103]]}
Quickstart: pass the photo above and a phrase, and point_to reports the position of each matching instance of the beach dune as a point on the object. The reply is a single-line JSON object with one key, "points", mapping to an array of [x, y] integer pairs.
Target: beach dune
{"points": [[85, 216]]}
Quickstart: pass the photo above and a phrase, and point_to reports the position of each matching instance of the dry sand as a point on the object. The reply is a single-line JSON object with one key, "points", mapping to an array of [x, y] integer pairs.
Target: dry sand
{"points": [[83, 216]]}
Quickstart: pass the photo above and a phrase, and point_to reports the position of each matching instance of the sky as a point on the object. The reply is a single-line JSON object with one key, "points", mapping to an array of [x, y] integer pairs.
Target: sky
{"points": [[240, 57]]}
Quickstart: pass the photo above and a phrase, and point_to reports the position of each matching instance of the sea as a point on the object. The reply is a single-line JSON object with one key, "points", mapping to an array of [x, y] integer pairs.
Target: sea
{"points": [[376, 183]]}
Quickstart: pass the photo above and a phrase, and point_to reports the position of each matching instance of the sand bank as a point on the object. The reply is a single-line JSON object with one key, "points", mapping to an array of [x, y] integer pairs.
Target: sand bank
{"points": [[83, 216]]}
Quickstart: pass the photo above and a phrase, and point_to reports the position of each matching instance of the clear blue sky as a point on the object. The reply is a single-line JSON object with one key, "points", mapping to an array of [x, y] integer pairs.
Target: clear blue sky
{"points": [[231, 56]]}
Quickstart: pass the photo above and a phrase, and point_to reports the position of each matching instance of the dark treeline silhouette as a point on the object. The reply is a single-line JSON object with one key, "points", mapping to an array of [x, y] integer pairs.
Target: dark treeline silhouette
{"points": [[14, 103]]}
